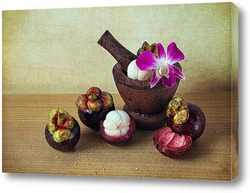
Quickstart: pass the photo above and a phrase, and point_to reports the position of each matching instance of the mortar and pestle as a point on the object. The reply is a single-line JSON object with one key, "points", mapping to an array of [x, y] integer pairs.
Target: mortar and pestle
{"points": [[146, 105]]}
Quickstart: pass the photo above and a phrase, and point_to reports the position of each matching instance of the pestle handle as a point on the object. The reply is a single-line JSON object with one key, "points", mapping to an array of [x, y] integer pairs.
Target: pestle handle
{"points": [[122, 55]]}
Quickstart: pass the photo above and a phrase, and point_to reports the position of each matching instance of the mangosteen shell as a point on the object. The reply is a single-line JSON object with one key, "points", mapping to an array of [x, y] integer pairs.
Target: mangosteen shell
{"points": [[170, 152], [92, 120], [67, 145], [195, 125]]}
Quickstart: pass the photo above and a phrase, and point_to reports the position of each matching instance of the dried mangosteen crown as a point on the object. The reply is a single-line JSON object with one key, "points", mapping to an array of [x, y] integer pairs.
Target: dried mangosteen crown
{"points": [[94, 100], [177, 109], [60, 124], [145, 46]]}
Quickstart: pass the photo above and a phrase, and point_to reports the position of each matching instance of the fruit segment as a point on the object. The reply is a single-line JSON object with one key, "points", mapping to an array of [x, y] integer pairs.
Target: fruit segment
{"points": [[117, 128], [116, 123], [136, 74]]}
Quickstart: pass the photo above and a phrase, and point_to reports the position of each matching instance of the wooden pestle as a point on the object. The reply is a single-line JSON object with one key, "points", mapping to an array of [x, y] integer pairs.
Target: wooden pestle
{"points": [[122, 55]]}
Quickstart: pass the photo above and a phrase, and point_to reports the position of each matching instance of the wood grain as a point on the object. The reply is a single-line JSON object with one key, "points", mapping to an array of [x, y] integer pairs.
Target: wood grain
{"points": [[212, 157]]}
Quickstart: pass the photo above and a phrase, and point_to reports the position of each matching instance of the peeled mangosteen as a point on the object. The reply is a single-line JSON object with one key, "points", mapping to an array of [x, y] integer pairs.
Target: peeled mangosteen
{"points": [[118, 128], [62, 131]]}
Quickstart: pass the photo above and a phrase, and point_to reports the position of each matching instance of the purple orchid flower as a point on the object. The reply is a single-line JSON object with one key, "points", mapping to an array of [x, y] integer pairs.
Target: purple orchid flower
{"points": [[162, 65]]}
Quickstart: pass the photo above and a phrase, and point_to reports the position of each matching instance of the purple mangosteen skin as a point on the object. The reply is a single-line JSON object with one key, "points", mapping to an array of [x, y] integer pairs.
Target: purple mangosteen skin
{"points": [[195, 125], [64, 146], [93, 120]]}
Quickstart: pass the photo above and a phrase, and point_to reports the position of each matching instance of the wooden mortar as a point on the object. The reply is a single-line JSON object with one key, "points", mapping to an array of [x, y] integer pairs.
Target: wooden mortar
{"points": [[147, 105]]}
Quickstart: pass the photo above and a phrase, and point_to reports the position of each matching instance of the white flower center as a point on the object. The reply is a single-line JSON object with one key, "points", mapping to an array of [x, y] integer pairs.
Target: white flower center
{"points": [[163, 70]]}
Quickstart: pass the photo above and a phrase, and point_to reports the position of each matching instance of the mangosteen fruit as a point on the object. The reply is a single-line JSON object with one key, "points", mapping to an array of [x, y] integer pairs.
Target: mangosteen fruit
{"points": [[93, 106], [118, 128], [62, 132], [185, 118]]}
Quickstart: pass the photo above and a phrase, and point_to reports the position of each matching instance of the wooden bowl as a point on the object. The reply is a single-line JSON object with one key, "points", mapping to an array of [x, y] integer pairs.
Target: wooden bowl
{"points": [[138, 95]]}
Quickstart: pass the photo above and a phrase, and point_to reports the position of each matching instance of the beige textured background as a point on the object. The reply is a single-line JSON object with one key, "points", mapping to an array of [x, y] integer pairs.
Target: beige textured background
{"points": [[56, 50]]}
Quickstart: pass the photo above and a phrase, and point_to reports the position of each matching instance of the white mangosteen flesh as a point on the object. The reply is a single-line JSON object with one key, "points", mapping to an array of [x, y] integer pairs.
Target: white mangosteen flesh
{"points": [[136, 74], [116, 123]]}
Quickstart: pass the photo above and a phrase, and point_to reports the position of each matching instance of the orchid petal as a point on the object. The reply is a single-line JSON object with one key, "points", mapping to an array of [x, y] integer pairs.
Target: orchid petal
{"points": [[155, 78], [174, 54], [178, 73], [146, 61], [169, 80], [161, 52]]}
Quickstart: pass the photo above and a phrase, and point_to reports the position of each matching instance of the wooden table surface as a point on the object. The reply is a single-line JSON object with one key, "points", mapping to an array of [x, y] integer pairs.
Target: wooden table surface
{"points": [[214, 156]]}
